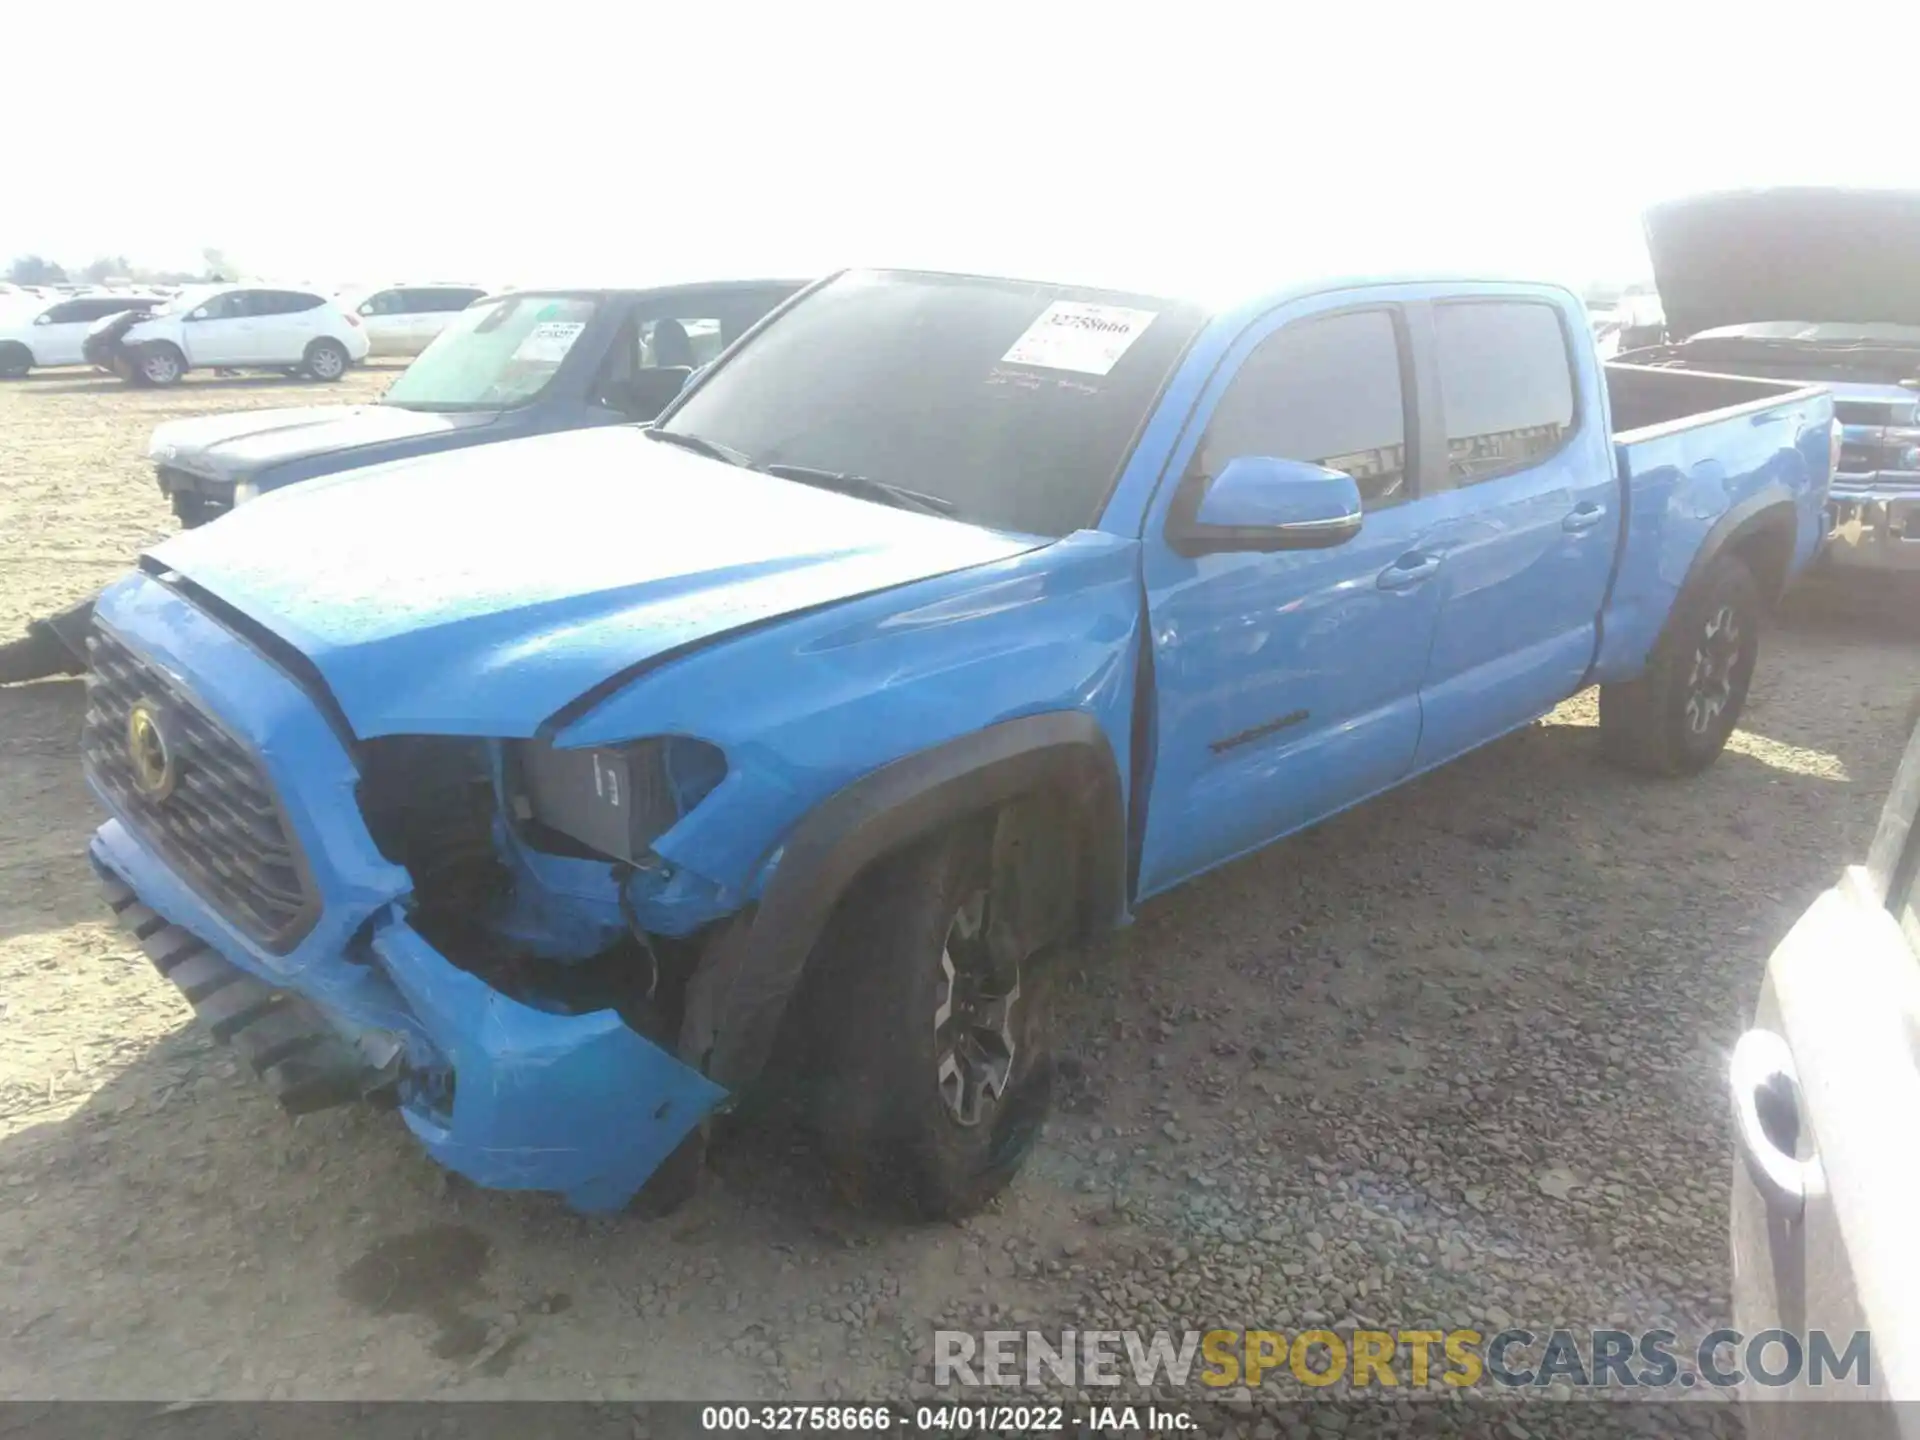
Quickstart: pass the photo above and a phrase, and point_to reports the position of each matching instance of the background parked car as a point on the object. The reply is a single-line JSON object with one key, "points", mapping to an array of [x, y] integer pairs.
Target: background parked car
{"points": [[530, 362], [403, 319], [37, 332], [242, 327]]}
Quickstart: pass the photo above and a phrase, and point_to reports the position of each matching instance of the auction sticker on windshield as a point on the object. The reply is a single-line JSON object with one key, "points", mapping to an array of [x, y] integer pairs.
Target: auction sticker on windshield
{"points": [[1071, 335], [548, 342]]}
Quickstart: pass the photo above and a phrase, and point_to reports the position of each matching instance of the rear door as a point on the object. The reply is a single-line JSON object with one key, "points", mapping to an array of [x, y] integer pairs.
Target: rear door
{"points": [[1287, 684], [1527, 536], [61, 330], [1825, 1092], [288, 321]]}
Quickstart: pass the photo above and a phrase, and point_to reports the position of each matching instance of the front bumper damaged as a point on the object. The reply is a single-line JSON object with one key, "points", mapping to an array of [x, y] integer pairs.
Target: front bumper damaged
{"points": [[503, 1092]]}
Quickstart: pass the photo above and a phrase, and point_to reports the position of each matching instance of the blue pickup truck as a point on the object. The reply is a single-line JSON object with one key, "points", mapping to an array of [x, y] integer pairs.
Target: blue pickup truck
{"points": [[930, 630]]}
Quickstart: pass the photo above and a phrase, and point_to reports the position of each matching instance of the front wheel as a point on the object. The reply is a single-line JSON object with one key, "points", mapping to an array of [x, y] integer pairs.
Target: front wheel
{"points": [[929, 1032], [160, 365], [1676, 718], [327, 360]]}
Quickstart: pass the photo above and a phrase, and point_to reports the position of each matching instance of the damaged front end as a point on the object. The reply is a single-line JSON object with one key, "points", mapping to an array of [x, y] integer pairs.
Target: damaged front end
{"points": [[473, 930]]}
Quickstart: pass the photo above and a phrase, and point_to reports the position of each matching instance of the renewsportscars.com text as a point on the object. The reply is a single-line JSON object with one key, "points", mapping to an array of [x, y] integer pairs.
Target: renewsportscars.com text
{"points": [[1387, 1359]]}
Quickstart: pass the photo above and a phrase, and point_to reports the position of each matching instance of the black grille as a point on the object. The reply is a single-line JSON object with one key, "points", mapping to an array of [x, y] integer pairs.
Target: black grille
{"points": [[219, 826]]}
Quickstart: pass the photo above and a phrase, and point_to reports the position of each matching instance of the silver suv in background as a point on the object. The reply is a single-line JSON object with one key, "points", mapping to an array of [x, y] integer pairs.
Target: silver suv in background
{"points": [[403, 319]]}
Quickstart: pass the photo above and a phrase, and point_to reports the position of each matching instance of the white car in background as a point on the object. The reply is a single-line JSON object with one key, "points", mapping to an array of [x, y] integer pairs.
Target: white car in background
{"points": [[37, 331], [243, 327], [403, 319]]}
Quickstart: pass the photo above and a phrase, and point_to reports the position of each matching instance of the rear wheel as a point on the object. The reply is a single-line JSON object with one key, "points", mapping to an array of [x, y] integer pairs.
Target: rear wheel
{"points": [[1676, 718], [160, 364], [327, 360], [15, 360], [929, 1036]]}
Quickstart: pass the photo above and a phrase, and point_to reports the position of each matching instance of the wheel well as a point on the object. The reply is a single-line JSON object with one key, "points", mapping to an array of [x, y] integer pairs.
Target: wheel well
{"points": [[8, 346], [1043, 846], [1766, 550], [319, 340]]}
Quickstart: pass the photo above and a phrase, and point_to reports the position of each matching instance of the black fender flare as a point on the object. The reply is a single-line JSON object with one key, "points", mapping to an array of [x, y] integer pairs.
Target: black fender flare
{"points": [[1768, 511], [749, 971]]}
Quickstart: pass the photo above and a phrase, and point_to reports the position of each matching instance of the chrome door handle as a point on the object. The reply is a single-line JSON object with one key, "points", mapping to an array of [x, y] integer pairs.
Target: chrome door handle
{"points": [[1408, 570], [1584, 518], [1767, 1124]]}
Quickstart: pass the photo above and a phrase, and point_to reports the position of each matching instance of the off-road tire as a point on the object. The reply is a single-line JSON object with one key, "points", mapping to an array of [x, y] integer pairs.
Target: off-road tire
{"points": [[15, 361], [1646, 724], [40, 655], [326, 360], [875, 985], [159, 364]]}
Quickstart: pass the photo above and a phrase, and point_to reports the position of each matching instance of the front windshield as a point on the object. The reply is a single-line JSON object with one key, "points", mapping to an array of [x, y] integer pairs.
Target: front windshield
{"points": [[1013, 403], [496, 354]]}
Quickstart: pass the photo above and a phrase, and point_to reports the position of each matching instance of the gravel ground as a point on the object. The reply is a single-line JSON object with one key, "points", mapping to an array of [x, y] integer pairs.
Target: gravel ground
{"points": [[1453, 1059]]}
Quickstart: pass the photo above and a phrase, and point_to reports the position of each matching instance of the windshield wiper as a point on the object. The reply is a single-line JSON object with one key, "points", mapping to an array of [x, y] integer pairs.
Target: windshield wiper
{"points": [[862, 487], [712, 449]]}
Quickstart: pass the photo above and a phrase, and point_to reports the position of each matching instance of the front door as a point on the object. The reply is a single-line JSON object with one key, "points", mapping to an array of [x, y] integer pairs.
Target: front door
{"points": [[1825, 1090], [1529, 527], [1287, 684], [218, 332]]}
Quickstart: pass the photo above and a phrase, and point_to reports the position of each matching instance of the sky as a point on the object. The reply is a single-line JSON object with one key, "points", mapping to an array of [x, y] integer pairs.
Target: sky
{"points": [[597, 144]]}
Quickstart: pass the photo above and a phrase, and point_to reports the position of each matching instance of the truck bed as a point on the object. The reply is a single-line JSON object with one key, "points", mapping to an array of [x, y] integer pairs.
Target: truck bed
{"points": [[1645, 400], [1699, 452]]}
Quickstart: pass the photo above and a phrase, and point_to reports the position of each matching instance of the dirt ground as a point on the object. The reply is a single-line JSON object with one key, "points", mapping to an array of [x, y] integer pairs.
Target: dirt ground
{"points": [[1455, 1057]]}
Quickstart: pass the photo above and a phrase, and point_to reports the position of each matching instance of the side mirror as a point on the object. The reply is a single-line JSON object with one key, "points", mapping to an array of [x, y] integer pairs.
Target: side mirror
{"points": [[199, 314], [1259, 503]]}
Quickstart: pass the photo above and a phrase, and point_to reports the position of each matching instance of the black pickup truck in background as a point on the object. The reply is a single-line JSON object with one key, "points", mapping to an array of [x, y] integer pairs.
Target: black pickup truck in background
{"points": [[526, 362]]}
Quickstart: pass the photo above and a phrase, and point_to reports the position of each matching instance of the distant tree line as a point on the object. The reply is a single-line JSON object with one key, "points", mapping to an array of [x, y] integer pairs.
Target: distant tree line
{"points": [[39, 270]]}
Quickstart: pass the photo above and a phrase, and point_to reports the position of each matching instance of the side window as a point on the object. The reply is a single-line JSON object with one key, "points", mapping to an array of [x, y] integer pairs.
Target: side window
{"points": [[385, 302], [440, 301], [1506, 385], [293, 302], [227, 306], [1326, 390], [682, 342], [68, 312]]}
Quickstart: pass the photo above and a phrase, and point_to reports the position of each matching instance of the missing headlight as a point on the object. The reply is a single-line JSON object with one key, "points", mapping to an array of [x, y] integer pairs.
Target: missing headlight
{"points": [[616, 800]]}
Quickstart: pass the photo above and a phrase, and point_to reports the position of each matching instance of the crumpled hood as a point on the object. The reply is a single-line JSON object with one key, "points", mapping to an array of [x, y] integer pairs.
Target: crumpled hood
{"points": [[478, 592], [1787, 254], [238, 445]]}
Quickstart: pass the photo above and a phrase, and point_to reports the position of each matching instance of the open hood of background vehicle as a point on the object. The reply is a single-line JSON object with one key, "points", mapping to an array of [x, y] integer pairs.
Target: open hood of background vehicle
{"points": [[477, 592], [1788, 254]]}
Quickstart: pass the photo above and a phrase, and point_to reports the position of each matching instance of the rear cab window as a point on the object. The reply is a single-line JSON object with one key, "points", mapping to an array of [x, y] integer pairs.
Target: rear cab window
{"points": [[1506, 385]]}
